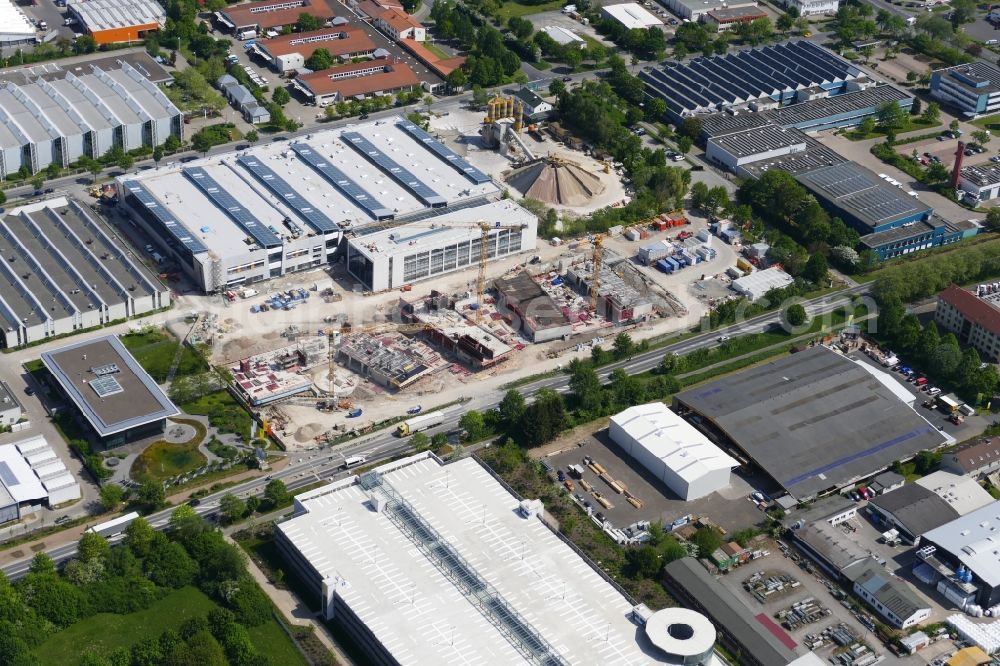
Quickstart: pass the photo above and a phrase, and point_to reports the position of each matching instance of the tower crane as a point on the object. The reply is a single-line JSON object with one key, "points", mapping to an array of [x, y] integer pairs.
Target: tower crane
{"points": [[484, 243]]}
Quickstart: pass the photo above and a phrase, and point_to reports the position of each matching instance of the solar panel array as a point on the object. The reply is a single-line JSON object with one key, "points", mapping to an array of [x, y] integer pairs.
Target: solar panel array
{"points": [[707, 84], [175, 228], [444, 152], [224, 200], [7, 475], [857, 190], [339, 179], [317, 219], [106, 386], [393, 169]]}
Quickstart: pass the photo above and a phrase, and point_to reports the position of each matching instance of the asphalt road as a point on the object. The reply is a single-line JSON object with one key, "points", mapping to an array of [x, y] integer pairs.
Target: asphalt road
{"points": [[325, 465]]}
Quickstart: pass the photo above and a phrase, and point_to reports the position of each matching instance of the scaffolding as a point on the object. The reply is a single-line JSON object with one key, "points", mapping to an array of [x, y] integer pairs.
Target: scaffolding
{"points": [[483, 596]]}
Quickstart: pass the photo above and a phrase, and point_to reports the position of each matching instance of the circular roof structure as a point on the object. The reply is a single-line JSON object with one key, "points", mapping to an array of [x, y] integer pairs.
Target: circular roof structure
{"points": [[681, 632]]}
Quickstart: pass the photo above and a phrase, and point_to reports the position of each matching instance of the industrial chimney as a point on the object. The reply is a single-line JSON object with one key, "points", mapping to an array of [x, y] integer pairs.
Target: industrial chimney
{"points": [[959, 156]]}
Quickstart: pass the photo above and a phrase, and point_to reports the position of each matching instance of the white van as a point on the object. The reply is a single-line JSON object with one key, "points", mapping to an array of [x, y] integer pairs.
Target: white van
{"points": [[158, 258], [244, 35]]}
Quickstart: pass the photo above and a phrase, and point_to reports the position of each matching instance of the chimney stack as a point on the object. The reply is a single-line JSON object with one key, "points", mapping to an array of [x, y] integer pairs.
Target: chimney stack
{"points": [[959, 156]]}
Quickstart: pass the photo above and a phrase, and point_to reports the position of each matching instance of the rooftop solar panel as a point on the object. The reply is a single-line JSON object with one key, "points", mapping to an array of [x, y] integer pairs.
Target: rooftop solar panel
{"points": [[393, 169], [175, 228], [265, 174], [339, 179], [224, 200], [7, 476], [445, 153], [106, 386]]}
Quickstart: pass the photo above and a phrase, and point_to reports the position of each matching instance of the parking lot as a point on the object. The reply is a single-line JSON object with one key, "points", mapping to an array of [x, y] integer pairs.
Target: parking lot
{"points": [[730, 508]]}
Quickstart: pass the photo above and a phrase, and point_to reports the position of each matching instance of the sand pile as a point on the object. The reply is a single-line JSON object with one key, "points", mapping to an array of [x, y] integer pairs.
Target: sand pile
{"points": [[556, 182]]}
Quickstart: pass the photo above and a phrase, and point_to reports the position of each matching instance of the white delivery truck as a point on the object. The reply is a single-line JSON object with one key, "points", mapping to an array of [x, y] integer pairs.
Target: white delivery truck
{"points": [[418, 423]]}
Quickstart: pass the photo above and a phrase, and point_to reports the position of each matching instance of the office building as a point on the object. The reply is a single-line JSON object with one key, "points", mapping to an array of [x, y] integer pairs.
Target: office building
{"points": [[117, 21], [974, 318], [290, 52], [10, 407], [815, 421], [973, 89], [112, 396], [62, 272], [280, 207], [501, 588], [889, 596], [673, 451], [982, 181], [730, 18], [369, 78], [696, 10], [976, 459], [256, 17]]}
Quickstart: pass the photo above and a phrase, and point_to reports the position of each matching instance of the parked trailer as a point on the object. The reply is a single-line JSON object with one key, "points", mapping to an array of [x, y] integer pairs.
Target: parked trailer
{"points": [[113, 527], [418, 423]]}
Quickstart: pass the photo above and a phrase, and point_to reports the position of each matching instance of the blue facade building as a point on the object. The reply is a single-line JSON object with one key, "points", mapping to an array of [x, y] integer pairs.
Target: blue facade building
{"points": [[974, 89]]}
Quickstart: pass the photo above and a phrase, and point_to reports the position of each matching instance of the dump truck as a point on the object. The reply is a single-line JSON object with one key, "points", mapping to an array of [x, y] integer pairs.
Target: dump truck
{"points": [[418, 423]]}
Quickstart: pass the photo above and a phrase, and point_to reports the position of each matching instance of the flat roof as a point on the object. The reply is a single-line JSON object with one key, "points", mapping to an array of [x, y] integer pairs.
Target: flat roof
{"points": [[962, 493], [816, 156], [415, 611], [815, 420], [532, 301], [837, 549], [98, 15], [632, 15], [899, 233], [918, 508], [759, 140], [7, 398], [13, 23], [17, 477], [860, 193], [137, 402], [983, 175], [825, 107], [403, 239], [740, 11], [978, 78], [974, 541], [669, 438]]}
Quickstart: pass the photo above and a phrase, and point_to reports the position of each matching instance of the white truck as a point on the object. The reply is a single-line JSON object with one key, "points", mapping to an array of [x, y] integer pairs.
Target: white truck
{"points": [[418, 423]]}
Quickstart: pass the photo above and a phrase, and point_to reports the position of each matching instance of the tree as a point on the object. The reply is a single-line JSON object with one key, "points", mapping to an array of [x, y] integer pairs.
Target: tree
{"points": [[111, 496], [816, 268], [139, 537], [953, 125], [280, 96], [867, 125], [420, 441], [684, 144], [252, 136], [982, 137], [276, 493], [320, 59], [925, 462], [707, 539], [545, 418], [152, 495], [890, 116], [513, 404], [231, 507], [668, 364], [3, 197], [308, 22], [474, 425], [993, 219], [931, 114], [457, 80], [644, 561], [439, 441], [92, 546], [915, 107], [586, 388], [626, 390], [795, 315], [623, 346], [168, 564], [157, 154]]}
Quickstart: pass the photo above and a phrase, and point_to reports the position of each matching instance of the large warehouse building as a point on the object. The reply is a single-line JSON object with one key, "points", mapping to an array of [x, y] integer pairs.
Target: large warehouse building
{"points": [[61, 272], [672, 450], [244, 217], [32, 475], [967, 544], [115, 21], [113, 396], [814, 421], [60, 118], [15, 28], [501, 588], [290, 52], [758, 78]]}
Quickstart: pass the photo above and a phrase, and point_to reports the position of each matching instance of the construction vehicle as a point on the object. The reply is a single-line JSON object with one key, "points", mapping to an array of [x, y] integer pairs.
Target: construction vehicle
{"points": [[418, 423], [355, 413]]}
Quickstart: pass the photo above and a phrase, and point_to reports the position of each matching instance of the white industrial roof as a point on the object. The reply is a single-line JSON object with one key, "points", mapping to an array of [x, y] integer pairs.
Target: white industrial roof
{"points": [[439, 232], [963, 493], [760, 282], [14, 25], [632, 15], [417, 613], [98, 15], [673, 440], [17, 476], [975, 540], [701, 637], [562, 35]]}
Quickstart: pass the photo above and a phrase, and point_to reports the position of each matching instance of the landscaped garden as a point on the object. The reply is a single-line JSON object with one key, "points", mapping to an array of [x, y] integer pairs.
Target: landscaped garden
{"points": [[223, 413], [164, 460]]}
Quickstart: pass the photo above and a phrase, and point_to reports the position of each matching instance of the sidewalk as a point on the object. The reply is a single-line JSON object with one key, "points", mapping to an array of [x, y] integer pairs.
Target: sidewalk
{"points": [[294, 611]]}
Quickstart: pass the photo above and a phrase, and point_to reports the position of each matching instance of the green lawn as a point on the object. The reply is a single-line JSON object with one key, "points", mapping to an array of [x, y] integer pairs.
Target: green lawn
{"points": [[436, 50], [913, 125], [104, 632], [991, 123], [223, 412], [517, 9], [155, 351], [163, 460]]}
